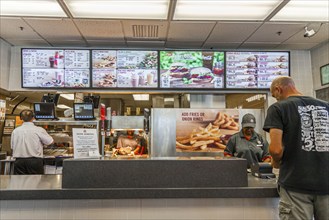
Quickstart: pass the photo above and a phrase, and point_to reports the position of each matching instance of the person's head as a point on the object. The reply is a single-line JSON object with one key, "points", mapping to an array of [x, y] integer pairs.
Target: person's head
{"points": [[283, 87], [27, 115], [130, 132], [248, 124]]}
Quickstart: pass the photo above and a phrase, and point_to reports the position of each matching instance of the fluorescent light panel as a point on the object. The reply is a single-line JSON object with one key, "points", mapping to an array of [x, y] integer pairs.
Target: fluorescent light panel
{"points": [[46, 8], [224, 10], [61, 106], [68, 96], [123, 9], [297, 10], [141, 97]]}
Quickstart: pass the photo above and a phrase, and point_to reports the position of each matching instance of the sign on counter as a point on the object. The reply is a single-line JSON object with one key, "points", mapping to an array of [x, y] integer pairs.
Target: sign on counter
{"points": [[85, 143]]}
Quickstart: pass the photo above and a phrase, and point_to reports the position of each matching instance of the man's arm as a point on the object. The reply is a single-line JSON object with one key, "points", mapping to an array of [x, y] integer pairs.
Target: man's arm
{"points": [[276, 148]]}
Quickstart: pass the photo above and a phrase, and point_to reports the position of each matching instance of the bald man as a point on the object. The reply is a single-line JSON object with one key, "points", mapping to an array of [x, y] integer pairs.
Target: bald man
{"points": [[299, 133]]}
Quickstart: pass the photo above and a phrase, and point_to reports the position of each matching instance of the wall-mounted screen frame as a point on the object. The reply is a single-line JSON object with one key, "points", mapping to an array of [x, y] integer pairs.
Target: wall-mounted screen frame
{"points": [[255, 69], [55, 68], [133, 69], [324, 74], [181, 69]]}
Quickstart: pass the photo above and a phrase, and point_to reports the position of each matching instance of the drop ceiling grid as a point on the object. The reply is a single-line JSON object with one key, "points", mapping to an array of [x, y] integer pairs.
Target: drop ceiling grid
{"points": [[10, 29], [321, 36], [60, 29], [100, 29], [232, 32], [189, 31]]}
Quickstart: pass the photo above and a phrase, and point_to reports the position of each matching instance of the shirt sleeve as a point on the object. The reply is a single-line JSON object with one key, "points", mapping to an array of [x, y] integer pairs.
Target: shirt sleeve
{"points": [[12, 142], [45, 138], [273, 118], [230, 146]]}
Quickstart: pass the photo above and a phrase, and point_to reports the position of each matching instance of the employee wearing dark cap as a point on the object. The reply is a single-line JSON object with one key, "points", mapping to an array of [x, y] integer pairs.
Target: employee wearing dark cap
{"points": [[248, 144]]}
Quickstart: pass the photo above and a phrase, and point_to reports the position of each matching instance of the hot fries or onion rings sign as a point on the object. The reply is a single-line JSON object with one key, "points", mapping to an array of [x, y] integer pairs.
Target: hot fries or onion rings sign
{"points": [[205, 130]]}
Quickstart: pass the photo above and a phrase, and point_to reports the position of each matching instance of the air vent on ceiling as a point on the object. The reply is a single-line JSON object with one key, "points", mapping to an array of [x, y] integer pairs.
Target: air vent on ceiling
{"points": [[145, 31]]}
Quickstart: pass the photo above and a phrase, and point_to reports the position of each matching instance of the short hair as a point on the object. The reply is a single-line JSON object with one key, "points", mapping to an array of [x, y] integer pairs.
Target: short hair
{"points": [[27, 115]]}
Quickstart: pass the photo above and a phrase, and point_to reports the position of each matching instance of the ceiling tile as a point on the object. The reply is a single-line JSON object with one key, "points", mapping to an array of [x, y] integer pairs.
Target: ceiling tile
{"points": [[106, 44], [292, 46], [259, 45], [146, 44], [16, 28], [232, 32], [220, 46], [161, 28], [28, 43], [268, 32], [55, 28], [322, 35], [100, 29], [183, 44], [68, 43], [189, 31]]}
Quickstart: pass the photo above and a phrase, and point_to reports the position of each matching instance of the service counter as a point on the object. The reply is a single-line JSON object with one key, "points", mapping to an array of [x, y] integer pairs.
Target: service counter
{"points": [[140, 179]]}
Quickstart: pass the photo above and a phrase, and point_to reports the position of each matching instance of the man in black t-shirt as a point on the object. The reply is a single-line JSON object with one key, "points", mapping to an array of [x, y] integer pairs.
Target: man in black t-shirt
{"points": [[299, 132]]}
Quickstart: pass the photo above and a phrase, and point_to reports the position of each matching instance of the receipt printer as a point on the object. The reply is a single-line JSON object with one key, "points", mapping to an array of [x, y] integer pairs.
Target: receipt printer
{"points": [[262, 170]]}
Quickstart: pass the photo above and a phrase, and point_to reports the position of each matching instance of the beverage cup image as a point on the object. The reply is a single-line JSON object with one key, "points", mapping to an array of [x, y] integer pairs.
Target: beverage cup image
{"points": [[52, 61], [141, 80], [150, 78], [134, 80]]}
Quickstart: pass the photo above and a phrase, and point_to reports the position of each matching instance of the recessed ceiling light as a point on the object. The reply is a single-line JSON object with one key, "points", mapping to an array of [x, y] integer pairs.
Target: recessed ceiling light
{"points": [[124, 9], [303, 11], [44, 8], [68, 96], [141, 97], [224, 9]]}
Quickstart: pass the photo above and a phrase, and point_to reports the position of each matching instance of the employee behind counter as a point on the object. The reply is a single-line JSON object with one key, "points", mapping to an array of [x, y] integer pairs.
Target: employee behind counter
{"points": [[130, 142], [248, 144], [27, 142]]}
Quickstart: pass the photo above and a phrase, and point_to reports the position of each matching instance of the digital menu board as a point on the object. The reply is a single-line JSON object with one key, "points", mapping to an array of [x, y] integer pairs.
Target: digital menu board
{"points": [[57, 68], [124, 69], [255, 70], [191, 69]]}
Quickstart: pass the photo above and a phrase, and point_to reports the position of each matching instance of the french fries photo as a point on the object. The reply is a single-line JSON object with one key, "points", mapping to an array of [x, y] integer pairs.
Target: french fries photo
{"points": [[209, 137]]}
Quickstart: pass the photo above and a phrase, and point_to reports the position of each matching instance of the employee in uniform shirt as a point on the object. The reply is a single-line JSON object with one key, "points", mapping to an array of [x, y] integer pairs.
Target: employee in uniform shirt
{"points": [[248, 144], [27, 143]]}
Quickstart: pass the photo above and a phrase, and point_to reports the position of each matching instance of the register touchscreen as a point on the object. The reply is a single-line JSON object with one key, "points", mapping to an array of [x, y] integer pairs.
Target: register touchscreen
{"points": [[83, 111], [44, 110]]}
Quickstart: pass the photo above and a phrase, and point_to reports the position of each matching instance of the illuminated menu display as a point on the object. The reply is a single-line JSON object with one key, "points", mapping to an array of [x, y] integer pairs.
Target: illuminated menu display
{"points": [[43, 68], [255, 69], [124, 69], [191, 69]]}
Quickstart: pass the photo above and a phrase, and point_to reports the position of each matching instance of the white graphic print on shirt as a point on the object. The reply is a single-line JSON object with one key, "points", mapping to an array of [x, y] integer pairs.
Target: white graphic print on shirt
{"points": [[315, 128]]}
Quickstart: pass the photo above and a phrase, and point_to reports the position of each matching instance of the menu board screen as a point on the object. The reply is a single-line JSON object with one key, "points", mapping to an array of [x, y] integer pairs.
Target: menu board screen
{"points": [[255, 69], [43, 68], [124, 69], [191, 69]]}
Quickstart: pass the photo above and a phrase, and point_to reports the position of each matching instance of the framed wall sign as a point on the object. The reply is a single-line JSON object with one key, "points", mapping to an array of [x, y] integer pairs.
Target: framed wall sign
{"points": [[324, 74]]}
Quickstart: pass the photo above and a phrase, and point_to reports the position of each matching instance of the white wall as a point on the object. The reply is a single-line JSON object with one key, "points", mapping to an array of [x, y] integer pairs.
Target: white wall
{"points": [[5, 52], [319, 57]]}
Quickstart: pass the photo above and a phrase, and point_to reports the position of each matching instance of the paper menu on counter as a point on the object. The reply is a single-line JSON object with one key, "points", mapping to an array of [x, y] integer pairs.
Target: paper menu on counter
{"points": [[85, 143]]}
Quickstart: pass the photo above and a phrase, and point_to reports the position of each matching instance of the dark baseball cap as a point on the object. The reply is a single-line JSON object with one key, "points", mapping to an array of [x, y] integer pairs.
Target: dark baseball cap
{"points": [[248, 120]]}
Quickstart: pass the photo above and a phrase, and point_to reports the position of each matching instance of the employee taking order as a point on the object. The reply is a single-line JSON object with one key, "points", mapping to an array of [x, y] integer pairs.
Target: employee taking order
{"points": [[248, 144], [27, 142]]}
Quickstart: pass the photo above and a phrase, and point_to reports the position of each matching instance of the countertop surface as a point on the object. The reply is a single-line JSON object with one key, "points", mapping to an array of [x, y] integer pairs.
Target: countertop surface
{"points": [[14, 187]]}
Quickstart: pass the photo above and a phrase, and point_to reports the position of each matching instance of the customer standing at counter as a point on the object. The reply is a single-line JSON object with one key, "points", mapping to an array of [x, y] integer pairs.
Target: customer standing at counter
{"points": [[27, 142], [299, 131], [248, 144]]}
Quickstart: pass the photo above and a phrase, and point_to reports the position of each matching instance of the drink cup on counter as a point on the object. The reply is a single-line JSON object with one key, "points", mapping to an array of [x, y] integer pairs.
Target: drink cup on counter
{"points": [[134, 80], [150, 78]]}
